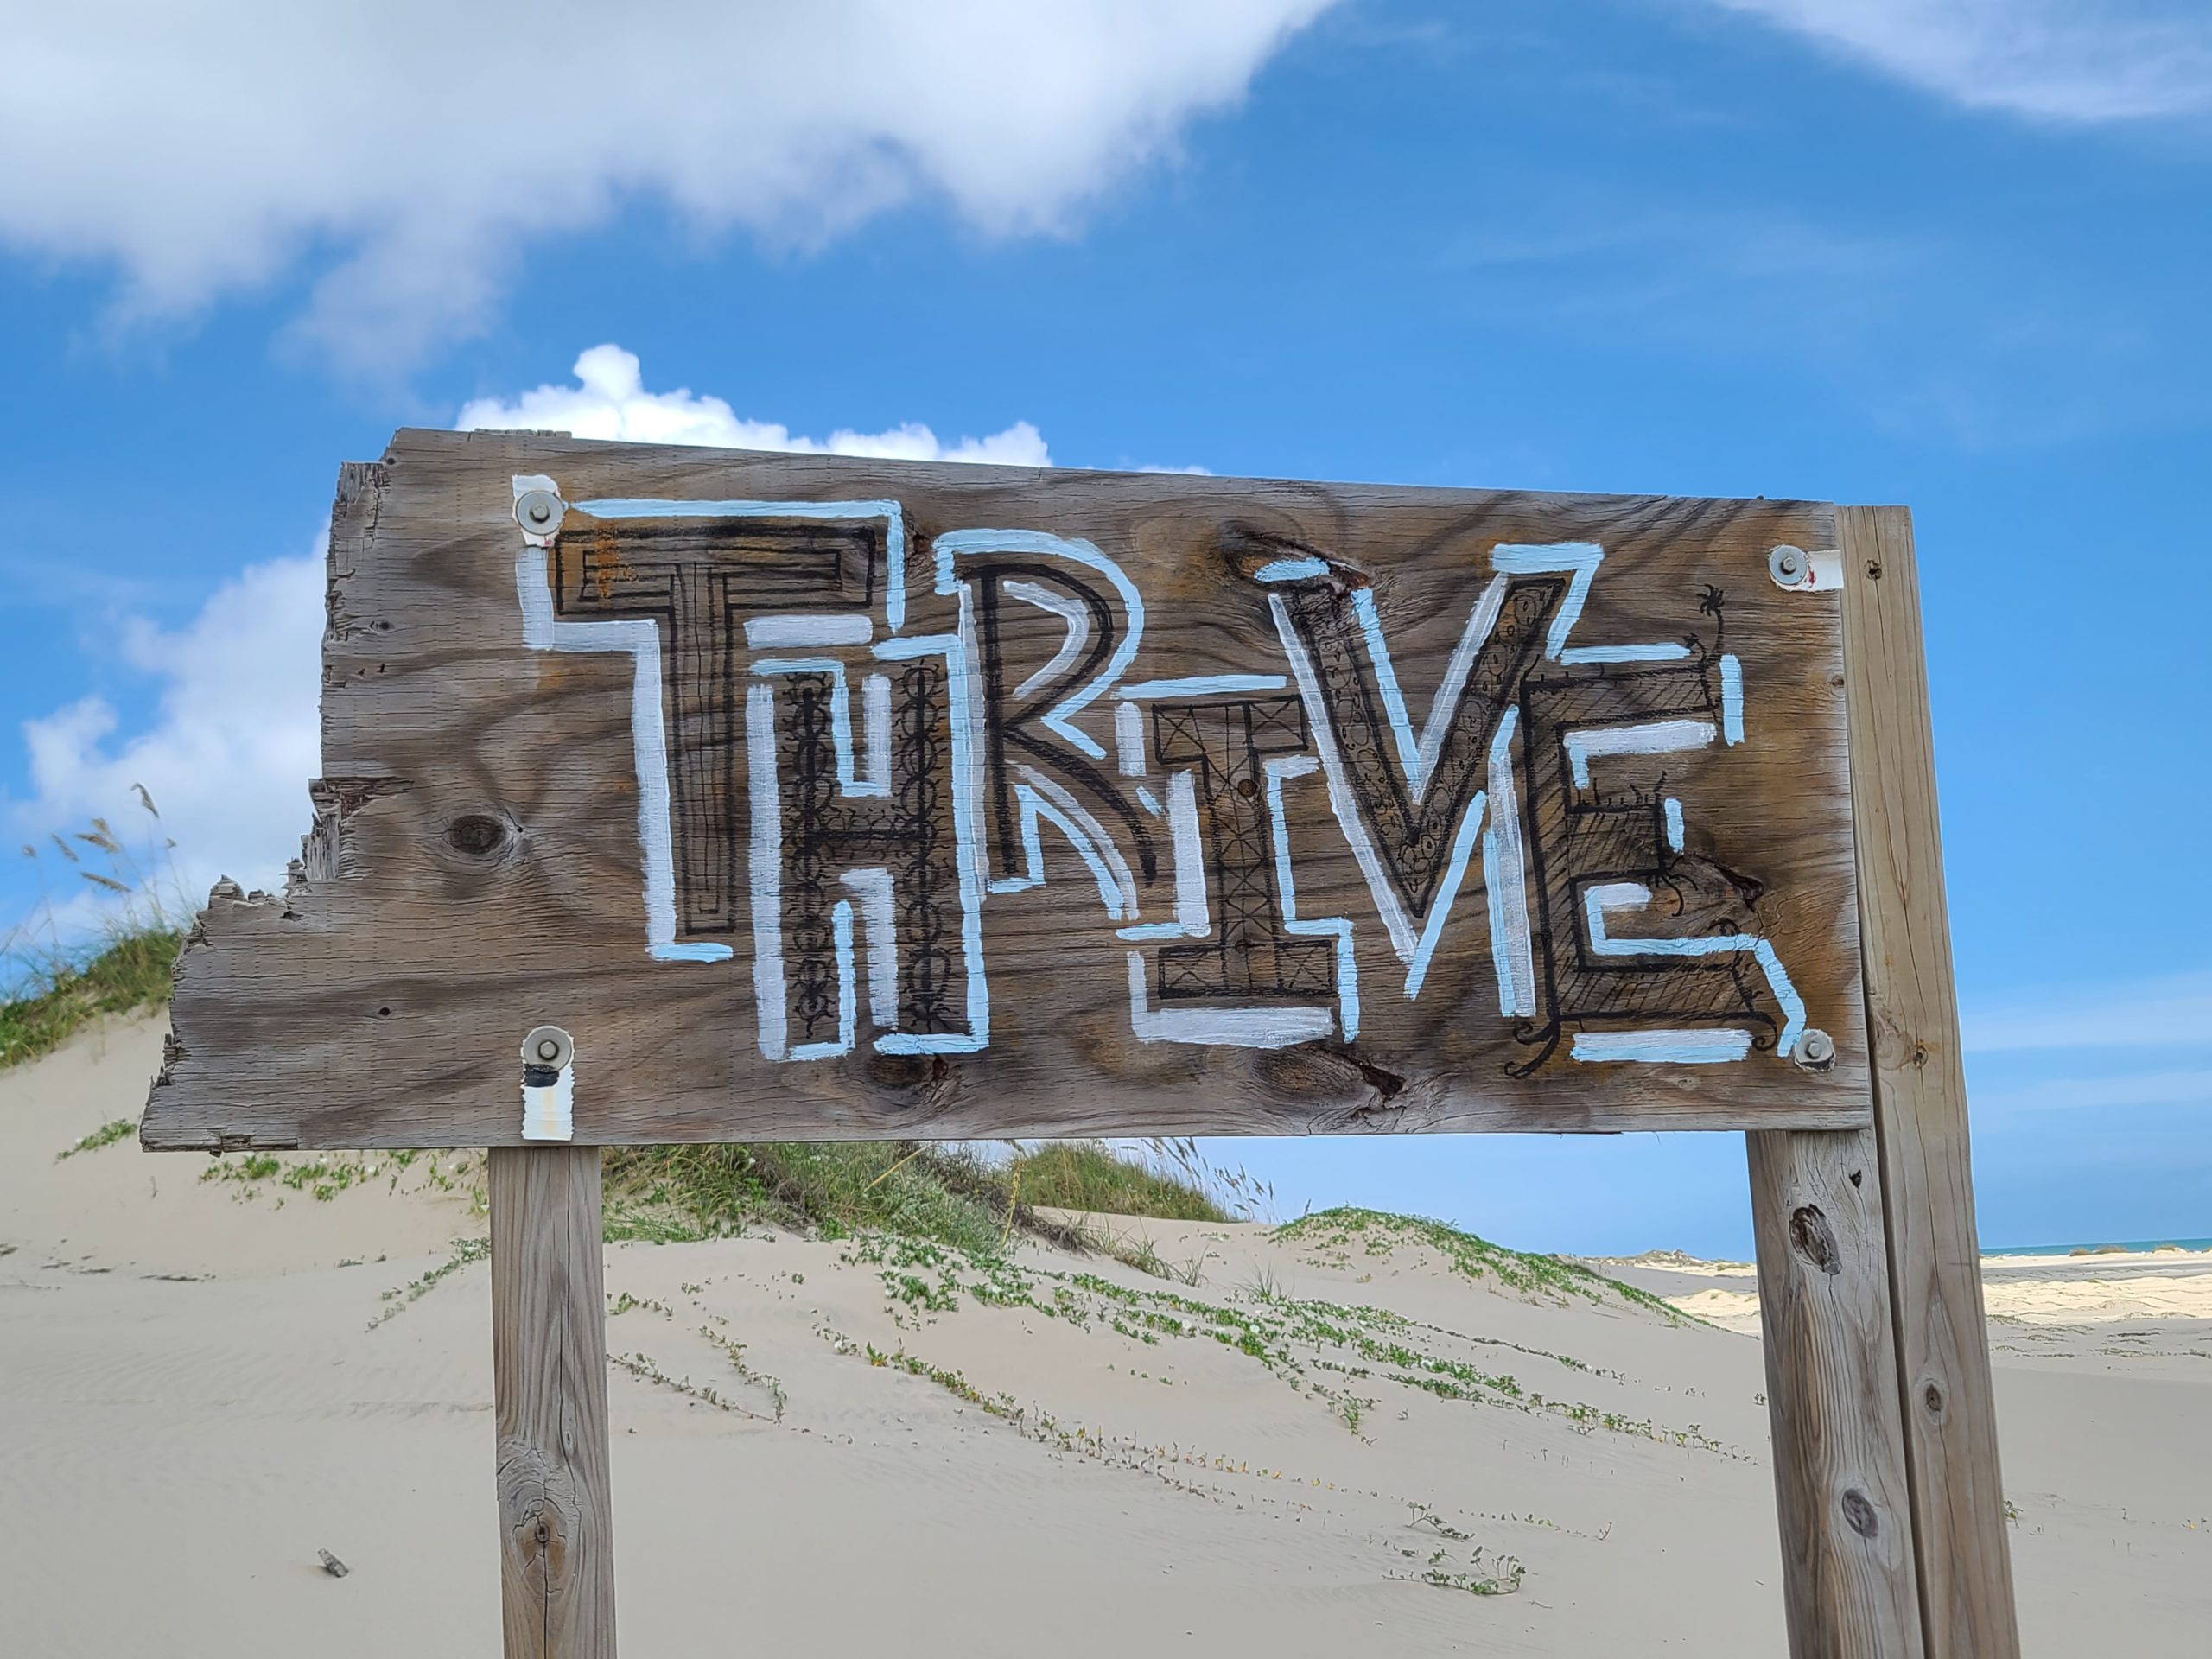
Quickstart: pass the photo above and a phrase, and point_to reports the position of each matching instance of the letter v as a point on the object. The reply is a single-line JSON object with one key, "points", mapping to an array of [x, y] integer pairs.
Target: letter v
{"points": [[1412, 808]]}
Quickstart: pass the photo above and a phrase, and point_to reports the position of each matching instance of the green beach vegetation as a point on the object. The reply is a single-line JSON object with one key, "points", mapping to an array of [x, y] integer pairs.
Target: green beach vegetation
{"points": [[128, 972], [1172, 1184], [56, 983], [953, 1195]]}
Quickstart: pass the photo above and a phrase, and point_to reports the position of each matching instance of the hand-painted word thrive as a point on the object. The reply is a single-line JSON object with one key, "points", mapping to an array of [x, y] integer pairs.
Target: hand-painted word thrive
{"points": [[849, 792]]}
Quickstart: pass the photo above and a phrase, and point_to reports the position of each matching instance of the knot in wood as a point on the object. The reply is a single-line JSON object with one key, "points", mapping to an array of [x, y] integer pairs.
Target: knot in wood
{"points": [[1858, 1513], [478, 834], [1812, 1237], [913, 1084]]}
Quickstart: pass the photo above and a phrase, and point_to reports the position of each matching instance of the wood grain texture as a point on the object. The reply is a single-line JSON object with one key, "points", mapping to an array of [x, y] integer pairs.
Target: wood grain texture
{"points": [[1949, 1410], [477, 864], [549, 1368], [1849, 1585]]}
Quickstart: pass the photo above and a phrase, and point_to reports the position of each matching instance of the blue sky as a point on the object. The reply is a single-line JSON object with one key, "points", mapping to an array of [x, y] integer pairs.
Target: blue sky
{"points": [[1947, 253]]}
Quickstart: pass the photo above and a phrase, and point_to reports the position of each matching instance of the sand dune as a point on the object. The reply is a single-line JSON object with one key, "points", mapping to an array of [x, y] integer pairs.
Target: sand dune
{"points": [[1335, 1440]]}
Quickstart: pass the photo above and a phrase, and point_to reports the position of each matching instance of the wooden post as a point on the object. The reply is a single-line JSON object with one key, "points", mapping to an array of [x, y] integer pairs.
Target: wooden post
{"points": [[1849, 1585], [549, 1368], [1920, 1103]]}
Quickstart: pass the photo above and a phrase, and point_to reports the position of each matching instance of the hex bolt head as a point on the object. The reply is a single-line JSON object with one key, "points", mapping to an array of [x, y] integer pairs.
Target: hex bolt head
{"points": [[1816, 1050], [1789, 566], [539, 512], [549, 1046]]}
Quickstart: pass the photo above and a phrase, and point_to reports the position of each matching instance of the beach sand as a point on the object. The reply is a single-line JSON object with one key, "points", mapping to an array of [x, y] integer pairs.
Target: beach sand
{"points": [[1325, 1445]]}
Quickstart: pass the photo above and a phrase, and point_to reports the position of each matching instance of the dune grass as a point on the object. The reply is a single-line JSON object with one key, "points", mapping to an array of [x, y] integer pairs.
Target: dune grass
{"points": [[669, 1193], [130, 972], [53, 982], [947, 1194], [106, 1135], [1334, 1233], [1092, 1176], [829, 1188]]}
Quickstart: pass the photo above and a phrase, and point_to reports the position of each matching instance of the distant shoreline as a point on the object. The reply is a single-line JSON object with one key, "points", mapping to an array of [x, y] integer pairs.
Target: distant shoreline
{"points": [[2129, 1247]]}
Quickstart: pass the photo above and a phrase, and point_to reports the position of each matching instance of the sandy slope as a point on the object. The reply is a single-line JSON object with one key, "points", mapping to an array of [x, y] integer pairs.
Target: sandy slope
{"points": [[195, 1396]]}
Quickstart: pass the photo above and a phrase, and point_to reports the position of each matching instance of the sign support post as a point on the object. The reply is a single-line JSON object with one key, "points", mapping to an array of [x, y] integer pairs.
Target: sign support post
{"points": [[1947, 1402], [1878, 1369], [548, 1367], [1850, 1587]]}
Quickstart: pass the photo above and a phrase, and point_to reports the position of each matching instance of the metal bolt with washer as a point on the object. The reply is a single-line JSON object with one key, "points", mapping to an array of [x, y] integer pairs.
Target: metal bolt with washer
{"points": [[1789, 566], [539, 512], [548, 1046], [1816, 1050]]}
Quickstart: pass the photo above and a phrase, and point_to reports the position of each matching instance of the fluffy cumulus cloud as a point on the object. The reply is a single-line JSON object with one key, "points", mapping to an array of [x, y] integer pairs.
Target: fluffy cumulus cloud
{"points": [[2088, 60], [226, 754], [426, 146], [609, 400], [233, 737]]}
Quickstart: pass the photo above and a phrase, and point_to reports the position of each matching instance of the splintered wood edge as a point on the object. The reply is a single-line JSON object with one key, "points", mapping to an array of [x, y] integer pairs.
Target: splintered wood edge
{"points": [[229, 906]]}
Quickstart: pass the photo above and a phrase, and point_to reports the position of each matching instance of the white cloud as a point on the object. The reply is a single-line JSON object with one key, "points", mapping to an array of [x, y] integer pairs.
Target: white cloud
{"points": [[2090, 61], [235, 737], [610, 401], [2099, 1094], [426, 146], [230, 748], [2168, 1012]]}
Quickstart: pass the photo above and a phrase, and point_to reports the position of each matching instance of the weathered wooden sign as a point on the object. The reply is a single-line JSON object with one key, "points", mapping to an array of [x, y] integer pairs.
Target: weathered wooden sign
{"points": [[839, 797], [672, 794]]}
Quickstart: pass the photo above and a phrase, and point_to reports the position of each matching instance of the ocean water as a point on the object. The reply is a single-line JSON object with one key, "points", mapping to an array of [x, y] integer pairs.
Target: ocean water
{"points": [[2133, 1247]]}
